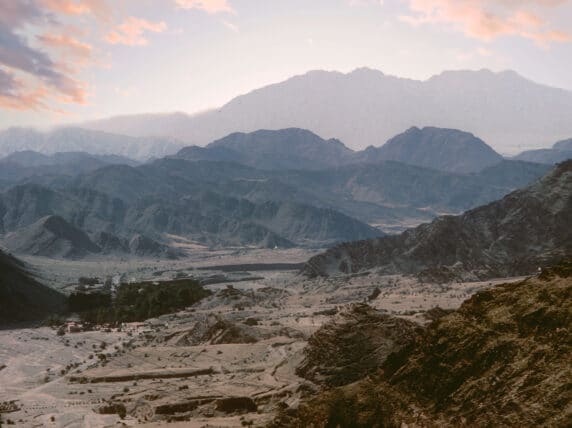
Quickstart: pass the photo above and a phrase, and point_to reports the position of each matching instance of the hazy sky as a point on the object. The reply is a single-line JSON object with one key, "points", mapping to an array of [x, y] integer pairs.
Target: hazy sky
{"points": [[71, 60]]}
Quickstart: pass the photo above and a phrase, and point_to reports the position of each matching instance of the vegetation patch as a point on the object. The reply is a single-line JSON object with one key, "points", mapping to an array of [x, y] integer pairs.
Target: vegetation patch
{"points": [[143, 300]]}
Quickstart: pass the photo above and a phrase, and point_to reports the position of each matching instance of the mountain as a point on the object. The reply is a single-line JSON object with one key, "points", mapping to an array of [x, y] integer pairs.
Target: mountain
{"points": [[559, 152], [513, 236], [282, 149], [366, 107], [72, 139], [173, 197], [21, 165], [21, 296], [51, 236], [443, 149], [222, 203], [501, 359]]}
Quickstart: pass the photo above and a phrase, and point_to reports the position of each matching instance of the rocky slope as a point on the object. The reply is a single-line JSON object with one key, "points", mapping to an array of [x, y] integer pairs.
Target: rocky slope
{"points": [[23, 298], [502, 360], [524, 230], [559, 152], [437, 148], [51, 236], [354, 344], [221, 203], [366, 107]]}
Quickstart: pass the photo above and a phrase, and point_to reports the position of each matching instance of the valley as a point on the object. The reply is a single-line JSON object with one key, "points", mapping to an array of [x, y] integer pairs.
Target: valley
{"points": [[209, 365], [334, 250]]}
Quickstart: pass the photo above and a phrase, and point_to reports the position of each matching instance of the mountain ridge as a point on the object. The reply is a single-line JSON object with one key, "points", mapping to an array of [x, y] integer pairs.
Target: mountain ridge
{"points": [[526, 229], [481, 102]]}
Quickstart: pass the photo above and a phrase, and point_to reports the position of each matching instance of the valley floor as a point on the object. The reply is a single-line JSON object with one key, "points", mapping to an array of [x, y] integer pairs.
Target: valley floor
{"points": [[227, 361]]}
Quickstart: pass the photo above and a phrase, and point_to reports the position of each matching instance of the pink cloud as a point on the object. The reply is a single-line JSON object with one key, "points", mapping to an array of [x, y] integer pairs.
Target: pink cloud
{"points": [[489, 19], [209, 6], [38, 71], [131, 31], [15, 95], [72, 48], [99, 8]]}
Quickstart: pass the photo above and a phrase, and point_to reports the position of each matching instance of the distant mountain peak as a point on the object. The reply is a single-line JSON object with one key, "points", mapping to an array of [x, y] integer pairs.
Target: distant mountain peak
{"points": [[365, 107], [438, 148]]}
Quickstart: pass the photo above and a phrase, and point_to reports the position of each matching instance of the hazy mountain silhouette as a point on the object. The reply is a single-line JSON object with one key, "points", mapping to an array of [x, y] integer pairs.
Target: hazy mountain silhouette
{"points": [[73, 139], [366, 107], [559, 152]]}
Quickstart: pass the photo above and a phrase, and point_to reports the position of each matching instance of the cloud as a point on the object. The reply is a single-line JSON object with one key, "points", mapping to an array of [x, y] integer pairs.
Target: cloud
{"points": [[40, 57], [365, 2], [15, 14], [13, 95], [208, 6], [17, 54], [72, 48], [98, 8], [489, 19], [131, 31], [230, 26]]}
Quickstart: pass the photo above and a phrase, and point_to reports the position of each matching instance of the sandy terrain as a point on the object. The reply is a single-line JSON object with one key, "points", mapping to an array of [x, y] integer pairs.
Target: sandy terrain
{"points": [[228, 361]]}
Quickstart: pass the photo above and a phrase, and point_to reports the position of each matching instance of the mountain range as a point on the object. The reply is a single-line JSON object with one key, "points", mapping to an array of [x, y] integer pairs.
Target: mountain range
{"points": [[513, 236], [442, 149], [366, 108], [339, 197]]}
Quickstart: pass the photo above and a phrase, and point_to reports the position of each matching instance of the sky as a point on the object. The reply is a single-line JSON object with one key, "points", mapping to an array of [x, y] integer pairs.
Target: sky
{"points": [[67, 61]]}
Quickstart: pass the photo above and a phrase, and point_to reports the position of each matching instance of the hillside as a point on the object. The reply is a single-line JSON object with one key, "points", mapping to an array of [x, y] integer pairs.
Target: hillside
{"points": [[51, 236], [22, 298], [222, 203], [21, 165], [366, 107], [526, 229], [559, 152], [502, 359], [443, 149]]}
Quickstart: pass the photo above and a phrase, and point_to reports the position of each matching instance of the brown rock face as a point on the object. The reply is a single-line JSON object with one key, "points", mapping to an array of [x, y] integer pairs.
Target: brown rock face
{"points": [[513, 236], [502, 359], [354, 344]]}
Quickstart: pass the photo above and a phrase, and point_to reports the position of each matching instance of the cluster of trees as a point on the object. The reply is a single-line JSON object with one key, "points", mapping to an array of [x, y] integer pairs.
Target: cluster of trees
{"points": [[144, 300], [82, 302]]}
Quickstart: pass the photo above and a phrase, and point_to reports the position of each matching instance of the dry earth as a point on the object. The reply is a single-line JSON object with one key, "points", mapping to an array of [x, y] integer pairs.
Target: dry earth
{"points": [[228, 361]]}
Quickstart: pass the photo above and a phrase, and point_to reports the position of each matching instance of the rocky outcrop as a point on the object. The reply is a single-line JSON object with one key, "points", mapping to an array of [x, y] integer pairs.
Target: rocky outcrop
{"points": [[502, 360], [513, 236], [353, 344]]}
